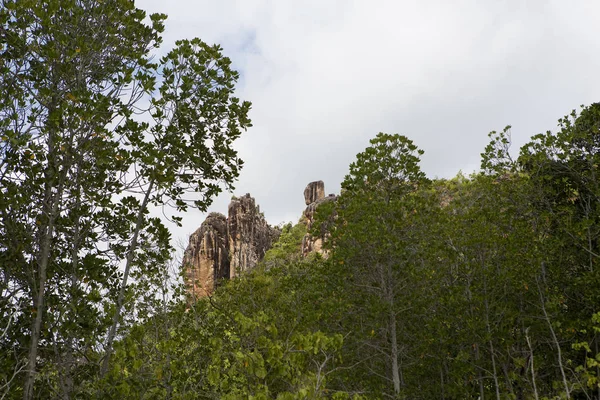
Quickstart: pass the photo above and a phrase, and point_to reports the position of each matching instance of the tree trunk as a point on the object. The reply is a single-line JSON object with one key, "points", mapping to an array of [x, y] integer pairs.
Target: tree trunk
{"points": [[120, 300], [51, 209], [535, 392], [395, 366], [69, 361], [387, 282], [490, 343], [556, 342], [479, 375], [442, 382]]}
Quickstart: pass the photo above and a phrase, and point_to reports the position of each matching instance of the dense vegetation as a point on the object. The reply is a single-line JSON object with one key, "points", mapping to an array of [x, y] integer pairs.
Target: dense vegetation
{"points": [[484, 286]]}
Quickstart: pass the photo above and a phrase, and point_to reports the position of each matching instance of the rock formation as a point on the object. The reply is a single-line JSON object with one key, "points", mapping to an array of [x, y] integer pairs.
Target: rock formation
{"points": [[314, 195], [314, 191], [249, 235], [206, 258], [223, 247]]}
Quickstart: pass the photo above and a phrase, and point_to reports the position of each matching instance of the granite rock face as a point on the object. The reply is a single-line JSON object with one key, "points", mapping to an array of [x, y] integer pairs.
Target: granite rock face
{"points": [[249, 235], [206, 257], [314, 191], [314, 196], [223, 247]]}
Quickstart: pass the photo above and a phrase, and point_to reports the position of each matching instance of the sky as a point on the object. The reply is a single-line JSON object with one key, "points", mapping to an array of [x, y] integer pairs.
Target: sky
{"points": [[325, 76]]}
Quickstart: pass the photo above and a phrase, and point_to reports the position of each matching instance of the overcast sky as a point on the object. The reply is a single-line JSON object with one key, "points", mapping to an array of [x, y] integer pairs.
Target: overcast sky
{"points": [[325, 76]]}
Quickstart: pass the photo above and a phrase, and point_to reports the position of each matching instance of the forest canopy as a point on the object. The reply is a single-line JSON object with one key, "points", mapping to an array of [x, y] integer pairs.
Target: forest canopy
{"points": [[481, 286]]}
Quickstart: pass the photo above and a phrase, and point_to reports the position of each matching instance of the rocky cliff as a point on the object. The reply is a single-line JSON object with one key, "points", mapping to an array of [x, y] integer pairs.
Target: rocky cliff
{"points": [[206, 259], [223, 246], [248, 234], [314, 195]]}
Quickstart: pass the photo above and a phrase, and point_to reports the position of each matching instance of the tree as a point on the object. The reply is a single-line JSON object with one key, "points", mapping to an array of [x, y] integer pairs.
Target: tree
{"points": [[188, 148], [375, 239], [80, 169], [564, 167], [60, 94]]}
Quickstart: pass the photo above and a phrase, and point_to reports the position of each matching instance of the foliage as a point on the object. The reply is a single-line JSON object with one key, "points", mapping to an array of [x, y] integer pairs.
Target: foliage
{"points": [[288, 246], [474, 287], [255, 338], [92, 134]]}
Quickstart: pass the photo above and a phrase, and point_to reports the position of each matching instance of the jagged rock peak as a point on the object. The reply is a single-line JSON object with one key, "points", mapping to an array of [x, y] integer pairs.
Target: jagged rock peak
{"points": [[206, 258], [314, 191], [250, 236], [225, 246]]}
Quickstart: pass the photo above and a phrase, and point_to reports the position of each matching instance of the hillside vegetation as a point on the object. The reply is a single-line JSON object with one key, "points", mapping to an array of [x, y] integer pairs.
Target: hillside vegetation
{"points": [[477, 287]]}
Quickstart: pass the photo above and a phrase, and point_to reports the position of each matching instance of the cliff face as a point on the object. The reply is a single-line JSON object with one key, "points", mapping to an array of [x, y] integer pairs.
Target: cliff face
{"points": [[249, 235], [225, 246], [206, 259], [314, 195]]}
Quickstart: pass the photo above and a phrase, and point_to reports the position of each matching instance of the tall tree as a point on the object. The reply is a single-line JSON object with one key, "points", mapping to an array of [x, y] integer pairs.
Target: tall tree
{"points": [[67, 75], [564, 166], [375, 239], [188, 148], [80, 169]]}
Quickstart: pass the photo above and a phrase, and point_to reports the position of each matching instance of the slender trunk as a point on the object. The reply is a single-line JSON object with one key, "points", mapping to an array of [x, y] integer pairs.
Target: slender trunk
{"points": [[597, 367], [39, 309], [590, 250], [479, 375], [129, 261], [494, 370], [388, 294], [39, 303], [490, 343], [167, 374], [395, 366], [49, 212], [64, 381], [68, 383], [475, 345], [509, 384], [556, 343], [535, 392]]}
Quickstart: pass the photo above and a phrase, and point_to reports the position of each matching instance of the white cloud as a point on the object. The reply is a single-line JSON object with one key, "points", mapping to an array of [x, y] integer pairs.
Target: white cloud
{"points": [[325, 76]]}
